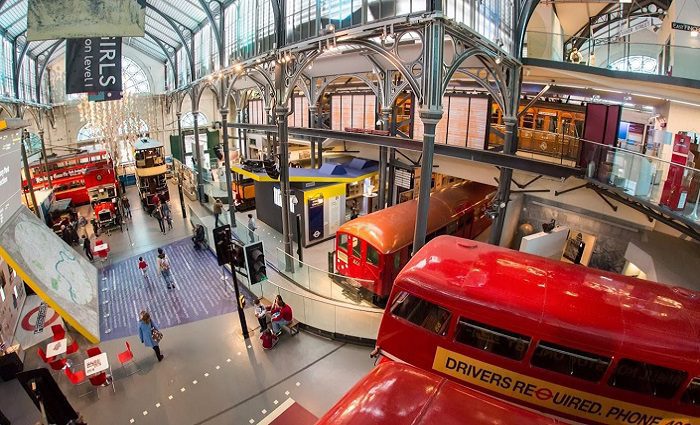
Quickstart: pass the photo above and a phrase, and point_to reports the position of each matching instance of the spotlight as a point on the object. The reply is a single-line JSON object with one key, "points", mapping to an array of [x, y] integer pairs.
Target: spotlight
{"points": [[499, 59], [693, 33]]}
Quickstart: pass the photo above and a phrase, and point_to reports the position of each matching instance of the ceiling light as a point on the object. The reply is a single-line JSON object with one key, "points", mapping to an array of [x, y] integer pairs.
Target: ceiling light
{"points": [[628, 105], [693, 33]]}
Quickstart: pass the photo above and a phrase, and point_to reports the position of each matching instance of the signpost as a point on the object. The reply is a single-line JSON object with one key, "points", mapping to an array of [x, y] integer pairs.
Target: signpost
{"points": [[685, 27]]}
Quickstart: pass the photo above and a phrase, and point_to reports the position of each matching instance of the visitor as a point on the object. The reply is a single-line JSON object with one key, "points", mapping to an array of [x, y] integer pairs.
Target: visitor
{"points": [[155, 200], [127, 206], [252, 227], [143, 266], [261, 314], [354, 210], [82, 225], [281, 315], [198, 238], [165, 212], [149, 333], [164, 267], [218, 209], [87, 247], [158, 215]]}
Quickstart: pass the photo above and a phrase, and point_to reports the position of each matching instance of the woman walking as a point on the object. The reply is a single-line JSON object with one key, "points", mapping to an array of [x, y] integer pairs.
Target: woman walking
{"points": [[149, 333], [164, 267]]}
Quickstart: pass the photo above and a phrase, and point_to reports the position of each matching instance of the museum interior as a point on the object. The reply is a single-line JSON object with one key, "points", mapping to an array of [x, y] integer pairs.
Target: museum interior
{"points": [[299, 212]]}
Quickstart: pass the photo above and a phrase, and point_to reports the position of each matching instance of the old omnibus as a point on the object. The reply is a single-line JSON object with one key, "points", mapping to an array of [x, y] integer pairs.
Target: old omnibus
{"points": [[400, 394], [376, 246], [588, 345]]}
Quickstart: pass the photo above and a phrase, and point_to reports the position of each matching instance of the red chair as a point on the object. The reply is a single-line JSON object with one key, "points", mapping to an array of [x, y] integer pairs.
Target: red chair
{"points": [[59, 364], [93, 351], [126, 357], [76, 378], [58, 332], [72, 348], [42, 355]]}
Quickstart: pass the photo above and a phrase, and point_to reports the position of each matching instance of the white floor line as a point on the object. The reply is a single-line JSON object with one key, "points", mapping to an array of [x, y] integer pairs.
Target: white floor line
{"points": [[267, 420]]}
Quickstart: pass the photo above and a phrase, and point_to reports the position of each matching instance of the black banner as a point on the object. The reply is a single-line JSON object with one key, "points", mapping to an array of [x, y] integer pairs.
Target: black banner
{"points": [[94, 65], [684, 27]]}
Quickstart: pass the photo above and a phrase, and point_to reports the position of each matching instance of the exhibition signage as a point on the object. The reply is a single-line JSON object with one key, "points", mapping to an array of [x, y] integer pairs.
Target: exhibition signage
{"points": [[94, 65], [55, 19], [10, 159], [685, 27]]}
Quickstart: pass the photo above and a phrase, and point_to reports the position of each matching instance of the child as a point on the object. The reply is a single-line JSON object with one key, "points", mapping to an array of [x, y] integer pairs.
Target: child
{"points": [[143, 266], [261, 314], [269, 340]]}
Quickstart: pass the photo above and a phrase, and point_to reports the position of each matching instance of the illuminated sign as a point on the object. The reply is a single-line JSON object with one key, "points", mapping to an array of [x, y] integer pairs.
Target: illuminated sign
{"points": [[551, 396]]}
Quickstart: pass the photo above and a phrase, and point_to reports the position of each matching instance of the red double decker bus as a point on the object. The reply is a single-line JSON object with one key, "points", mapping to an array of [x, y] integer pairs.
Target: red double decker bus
{"points": [[588, 345], [399, 394], [376, 246]]}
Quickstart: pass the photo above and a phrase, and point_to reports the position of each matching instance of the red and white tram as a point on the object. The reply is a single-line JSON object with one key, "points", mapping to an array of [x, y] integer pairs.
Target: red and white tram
{"points": [[587, 345]]}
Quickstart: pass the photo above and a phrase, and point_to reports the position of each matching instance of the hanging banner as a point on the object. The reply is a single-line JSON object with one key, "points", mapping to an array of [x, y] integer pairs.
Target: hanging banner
{"points": [[10, 171], [54, 19], [94, 65]]}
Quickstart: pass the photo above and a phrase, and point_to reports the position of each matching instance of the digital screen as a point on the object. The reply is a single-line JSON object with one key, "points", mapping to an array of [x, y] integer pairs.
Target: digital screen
{"points": [[10, 180]]}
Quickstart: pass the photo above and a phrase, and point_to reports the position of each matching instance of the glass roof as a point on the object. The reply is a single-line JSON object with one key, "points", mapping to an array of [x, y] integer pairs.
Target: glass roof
{"points": [[187, 14]]}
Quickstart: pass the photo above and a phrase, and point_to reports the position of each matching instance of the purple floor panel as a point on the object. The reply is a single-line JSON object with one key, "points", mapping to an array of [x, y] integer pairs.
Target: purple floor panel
{"points": [[200, 293]]}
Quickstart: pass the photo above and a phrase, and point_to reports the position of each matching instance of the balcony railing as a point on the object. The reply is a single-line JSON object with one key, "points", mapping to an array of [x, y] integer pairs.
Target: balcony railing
{"points": [[615, 54]]}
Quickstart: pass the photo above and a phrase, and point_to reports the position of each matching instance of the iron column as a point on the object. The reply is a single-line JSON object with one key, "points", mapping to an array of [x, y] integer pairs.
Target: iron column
{"points": [[227, 171]]}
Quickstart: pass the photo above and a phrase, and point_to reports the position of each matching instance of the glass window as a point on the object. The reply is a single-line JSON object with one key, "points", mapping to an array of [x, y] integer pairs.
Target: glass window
{"points": [[343, 241], [568, 361], [397, 262], [372, 255], [134, 79], [645, 378], [692, 394], [494, 340], [356, 248], [421, 312], [643, 64], [187, 120]]}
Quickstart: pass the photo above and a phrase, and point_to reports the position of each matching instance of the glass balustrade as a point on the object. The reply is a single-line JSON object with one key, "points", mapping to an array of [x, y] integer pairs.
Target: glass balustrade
{"points": [[614, 53]]}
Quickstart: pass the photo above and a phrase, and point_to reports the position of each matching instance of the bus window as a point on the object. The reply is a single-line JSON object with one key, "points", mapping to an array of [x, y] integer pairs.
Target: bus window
{"points": [[494, 340], [372, 255], [646, 378], [451, 228], [397, 263], [568, 361], [692, 394], [343, 241], [421, 312], [356, 247]]}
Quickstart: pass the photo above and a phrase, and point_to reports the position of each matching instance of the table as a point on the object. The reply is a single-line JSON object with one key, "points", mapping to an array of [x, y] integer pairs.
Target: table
{"points": [[100, 247], [96, 364], [56, 348]]}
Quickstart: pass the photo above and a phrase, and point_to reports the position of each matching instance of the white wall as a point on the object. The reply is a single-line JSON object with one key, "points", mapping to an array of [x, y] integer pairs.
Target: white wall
{"points": [[682, 117], [544, 34]]}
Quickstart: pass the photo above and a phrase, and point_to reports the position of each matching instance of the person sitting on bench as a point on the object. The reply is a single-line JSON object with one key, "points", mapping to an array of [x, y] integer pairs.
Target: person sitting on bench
{"points": [[281, 315]]}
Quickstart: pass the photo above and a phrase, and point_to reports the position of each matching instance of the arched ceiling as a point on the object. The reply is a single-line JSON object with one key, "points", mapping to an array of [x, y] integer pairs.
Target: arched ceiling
{"points": [[186, 15]]}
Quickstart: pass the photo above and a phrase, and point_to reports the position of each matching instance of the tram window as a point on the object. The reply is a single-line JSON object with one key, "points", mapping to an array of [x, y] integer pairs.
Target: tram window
{"points": [[372, 255], [552, 124], [568, 361], [646, 378], [343, 242], [494, 340], [356, 248], [421, 312], [528, 121], [692, 394], [539, 123]]}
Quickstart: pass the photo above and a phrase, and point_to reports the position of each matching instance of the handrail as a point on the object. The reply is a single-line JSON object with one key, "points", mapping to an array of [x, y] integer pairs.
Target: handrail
{"points": [[655, 158], [323, 271], [332, 302]]}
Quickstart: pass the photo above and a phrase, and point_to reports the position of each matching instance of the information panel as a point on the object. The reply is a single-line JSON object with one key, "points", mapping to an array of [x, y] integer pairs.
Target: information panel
{"points": [[10, 166]]}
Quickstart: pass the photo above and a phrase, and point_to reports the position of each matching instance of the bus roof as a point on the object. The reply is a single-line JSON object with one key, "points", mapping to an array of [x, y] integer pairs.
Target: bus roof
{"points": [[565, 303], [392, 228], [400, 394]]}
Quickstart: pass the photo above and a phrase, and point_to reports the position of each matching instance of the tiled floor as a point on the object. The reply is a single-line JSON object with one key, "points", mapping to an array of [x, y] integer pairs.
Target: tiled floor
{"points": [[210, 374]]}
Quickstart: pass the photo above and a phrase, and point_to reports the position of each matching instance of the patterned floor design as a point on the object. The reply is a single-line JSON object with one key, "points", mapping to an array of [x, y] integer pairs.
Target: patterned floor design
{"points": [[200, 293]]}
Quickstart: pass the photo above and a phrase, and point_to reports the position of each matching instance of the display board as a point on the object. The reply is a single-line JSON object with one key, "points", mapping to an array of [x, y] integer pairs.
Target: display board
{"points": [[10, 171], [12, 298], [54, 19], [54, 270], [464, 122], [353, 110]]}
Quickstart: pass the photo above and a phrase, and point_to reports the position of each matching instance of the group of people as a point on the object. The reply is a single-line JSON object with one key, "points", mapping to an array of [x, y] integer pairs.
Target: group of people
{"points": [[163, 264], [161, 212], [280, 315]]}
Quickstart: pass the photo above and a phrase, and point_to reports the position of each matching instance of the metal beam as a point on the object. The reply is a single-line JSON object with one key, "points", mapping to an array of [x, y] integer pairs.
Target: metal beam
{"points": [[487, 157], [167, 54], [173, 23]]}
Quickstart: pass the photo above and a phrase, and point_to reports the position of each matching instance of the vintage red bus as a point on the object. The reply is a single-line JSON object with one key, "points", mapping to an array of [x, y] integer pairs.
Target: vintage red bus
{"points": [[399, 394], [585, 344], [376, 246]]}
